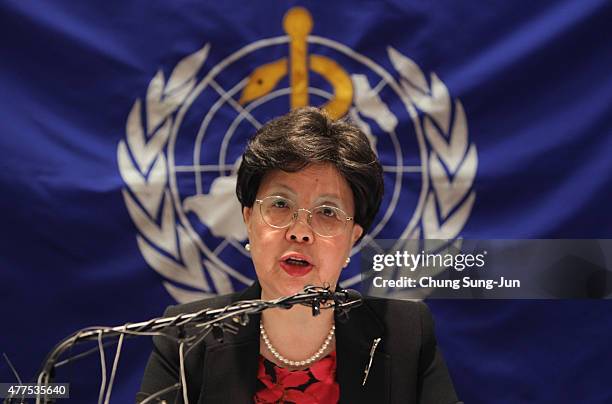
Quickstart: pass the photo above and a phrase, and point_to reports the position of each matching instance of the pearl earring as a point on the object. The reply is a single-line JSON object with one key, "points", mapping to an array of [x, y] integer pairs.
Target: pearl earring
{"points": [[346, 262], [247, 247]]}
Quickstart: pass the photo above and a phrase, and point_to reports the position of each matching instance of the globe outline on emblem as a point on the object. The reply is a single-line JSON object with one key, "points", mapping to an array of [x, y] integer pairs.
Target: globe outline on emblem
{"points": [[174, 244], [222, 166]]}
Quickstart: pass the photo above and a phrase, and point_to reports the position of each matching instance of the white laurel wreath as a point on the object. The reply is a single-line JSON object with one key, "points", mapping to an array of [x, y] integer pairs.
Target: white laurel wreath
{"points": [[165, 245], [452, 160]]}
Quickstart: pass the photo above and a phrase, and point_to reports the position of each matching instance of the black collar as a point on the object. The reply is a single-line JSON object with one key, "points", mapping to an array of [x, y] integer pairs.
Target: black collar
{"points": [[230, 367]]}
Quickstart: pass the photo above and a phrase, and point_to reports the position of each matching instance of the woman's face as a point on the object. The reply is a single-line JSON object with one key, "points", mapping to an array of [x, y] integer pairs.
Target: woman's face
{"points": [[275, 251]]}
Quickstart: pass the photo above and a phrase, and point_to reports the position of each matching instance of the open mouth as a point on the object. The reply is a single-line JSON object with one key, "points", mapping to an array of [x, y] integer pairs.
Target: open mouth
{"points": [[296, 265], [297, 261]]}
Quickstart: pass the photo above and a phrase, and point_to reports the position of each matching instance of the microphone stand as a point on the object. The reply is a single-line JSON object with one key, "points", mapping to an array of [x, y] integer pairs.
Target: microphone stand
{"points": [[193, 327]]}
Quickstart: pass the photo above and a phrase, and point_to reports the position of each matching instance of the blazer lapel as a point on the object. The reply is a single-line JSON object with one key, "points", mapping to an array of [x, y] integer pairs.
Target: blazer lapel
{"points": [[230, 367], [354, 340], [231, 371]]}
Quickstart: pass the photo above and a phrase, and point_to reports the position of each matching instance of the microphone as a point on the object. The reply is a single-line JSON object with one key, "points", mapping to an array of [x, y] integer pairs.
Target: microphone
{"points": [[347, 297], [345, 300]]}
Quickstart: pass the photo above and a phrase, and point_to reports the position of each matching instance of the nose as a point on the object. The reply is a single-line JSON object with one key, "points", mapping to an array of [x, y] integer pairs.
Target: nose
{"points": [[300, 230]]}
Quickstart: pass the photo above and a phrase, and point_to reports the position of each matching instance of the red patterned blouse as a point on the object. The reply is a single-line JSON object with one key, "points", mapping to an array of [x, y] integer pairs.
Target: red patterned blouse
{"points": [[314, 385]]}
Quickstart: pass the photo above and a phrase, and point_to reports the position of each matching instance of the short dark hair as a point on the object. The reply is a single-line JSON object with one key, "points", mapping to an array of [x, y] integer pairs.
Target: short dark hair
{"points": [[307, 136]]}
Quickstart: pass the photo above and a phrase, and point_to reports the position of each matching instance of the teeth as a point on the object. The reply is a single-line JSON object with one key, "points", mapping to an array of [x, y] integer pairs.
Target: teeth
{"points": [[295, 261]]}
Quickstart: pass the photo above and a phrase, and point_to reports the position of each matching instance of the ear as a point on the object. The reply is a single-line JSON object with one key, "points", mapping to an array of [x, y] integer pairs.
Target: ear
{"points": [[246, 215], [356, 233]]}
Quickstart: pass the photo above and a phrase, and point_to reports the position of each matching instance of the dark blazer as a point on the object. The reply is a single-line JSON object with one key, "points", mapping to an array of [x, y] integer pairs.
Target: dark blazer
{"points": [[407, 366]]}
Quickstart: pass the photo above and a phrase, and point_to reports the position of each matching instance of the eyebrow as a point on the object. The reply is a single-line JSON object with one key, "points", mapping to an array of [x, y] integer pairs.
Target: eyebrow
{"points": [[287, 187], [333, 198]]}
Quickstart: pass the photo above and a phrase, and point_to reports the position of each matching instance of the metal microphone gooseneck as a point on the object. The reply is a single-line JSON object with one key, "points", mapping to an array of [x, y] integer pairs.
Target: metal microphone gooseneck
{"points": [[188, 330]]}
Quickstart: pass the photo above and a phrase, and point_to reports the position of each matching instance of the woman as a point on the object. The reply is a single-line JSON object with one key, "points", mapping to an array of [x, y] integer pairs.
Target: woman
{"points": [[310, 188]]}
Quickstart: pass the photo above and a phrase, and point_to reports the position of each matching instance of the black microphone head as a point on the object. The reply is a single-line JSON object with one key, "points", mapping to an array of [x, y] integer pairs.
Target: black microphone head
{"points": [[347, 295], [345, 300], [353, 294]]}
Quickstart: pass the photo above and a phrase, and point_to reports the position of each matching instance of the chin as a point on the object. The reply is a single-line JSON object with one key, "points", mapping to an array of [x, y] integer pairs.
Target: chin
{"points": [[295, 287], [291, 286]]}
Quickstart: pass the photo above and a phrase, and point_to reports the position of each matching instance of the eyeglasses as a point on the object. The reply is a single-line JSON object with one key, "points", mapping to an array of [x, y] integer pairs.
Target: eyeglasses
{"points": [[280, 212]]}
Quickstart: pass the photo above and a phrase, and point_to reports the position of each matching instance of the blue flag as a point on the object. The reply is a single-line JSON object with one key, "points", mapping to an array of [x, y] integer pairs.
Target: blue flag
{"points": [[122, 127]]}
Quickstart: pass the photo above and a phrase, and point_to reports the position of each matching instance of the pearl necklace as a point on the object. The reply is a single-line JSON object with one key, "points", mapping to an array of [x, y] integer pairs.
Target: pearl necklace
{"points": [[305, 362]]}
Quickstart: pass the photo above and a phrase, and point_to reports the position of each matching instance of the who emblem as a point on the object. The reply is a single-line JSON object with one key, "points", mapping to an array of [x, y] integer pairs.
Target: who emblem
{"points": [[184, 142]]}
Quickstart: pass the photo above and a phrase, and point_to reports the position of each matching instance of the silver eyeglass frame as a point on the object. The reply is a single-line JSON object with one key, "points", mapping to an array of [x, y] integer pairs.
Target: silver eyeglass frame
{"points": [[296, 214]]}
